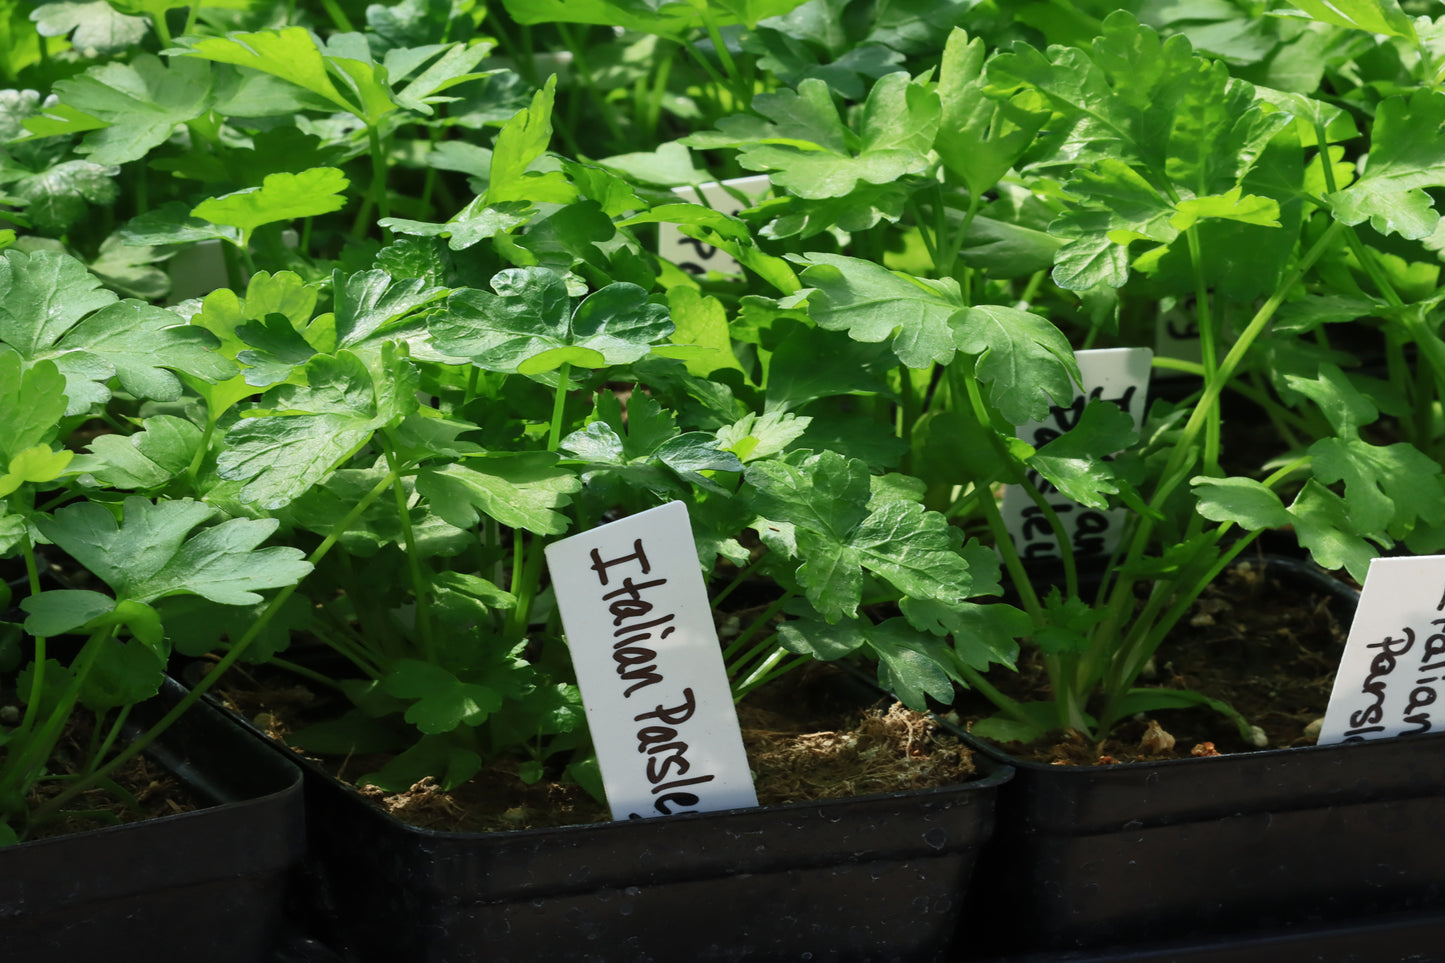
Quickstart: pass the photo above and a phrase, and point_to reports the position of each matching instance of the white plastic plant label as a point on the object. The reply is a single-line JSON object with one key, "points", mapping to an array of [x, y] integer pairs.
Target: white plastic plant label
{"points": [[649, 666], [1176, 334], [693, 255], [1120, 375], [1393, 669]]}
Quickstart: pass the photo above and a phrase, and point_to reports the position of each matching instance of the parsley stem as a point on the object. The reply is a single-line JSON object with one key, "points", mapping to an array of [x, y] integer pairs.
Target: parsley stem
{"points": [[583, 69], [1177, 469], [717, 79], [737, 580], [233, 654], [1009, 706], [345, 640], [930, 240], [37, 677], [742, 95], [524, 585], [37, 749], [775, 666], [994, 517], [1214, 386], [112, 733], [1208, 347], [730, 653], [193, 470], [163, 30], [1157, 628], [378, 176], [420, 584], [338, 16], [652, 106], [295, 668], [559, 400], [955, 245]]}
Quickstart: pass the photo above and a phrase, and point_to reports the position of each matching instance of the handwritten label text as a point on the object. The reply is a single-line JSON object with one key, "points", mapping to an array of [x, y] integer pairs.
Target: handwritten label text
{"points": [[649, 667]]}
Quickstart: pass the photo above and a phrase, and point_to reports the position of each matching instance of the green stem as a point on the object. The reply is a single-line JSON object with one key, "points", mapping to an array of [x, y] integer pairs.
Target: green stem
{"points": [[420, 584], [192, 12], [1176, 469], [1181, 456], [1207, 347], [110, 736], [737, 580], [235, 273], [652, 112], [559, 401], [163, 29], [742, 95], [955, 245], [719, 83], [193, 470], [584, 70], [773, 667], [338, 16], [930, 242], [37, 676], [525, 589], [378, 190], [295, 668], [999, 529], [234, 653], [1144, 651], [1005, 704], [39, 748], [346, 642], [757, 625]]}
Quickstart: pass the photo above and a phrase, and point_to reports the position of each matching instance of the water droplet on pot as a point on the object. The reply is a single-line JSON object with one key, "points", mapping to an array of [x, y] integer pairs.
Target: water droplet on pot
{"points": [[936, 838]]}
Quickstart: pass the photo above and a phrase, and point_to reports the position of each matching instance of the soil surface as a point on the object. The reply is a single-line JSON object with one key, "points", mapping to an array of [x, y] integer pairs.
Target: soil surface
{"points": [[808, 736], [139, 790], [1254, 640]]}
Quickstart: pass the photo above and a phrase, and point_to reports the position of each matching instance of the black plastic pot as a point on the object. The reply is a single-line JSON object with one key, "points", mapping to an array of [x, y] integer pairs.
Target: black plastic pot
{"points": [[1392, 938], [873, 877], [209, 885], [1252, 843]]}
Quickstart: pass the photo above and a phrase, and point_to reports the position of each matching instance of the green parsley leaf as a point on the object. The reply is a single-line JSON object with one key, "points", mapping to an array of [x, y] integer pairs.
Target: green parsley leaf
{"points": [[1024, 359], [138, 103], [1405, 158], [918, 317], [529, 326], [150, 553], [520, 490], [281, 197], [824, 499]]}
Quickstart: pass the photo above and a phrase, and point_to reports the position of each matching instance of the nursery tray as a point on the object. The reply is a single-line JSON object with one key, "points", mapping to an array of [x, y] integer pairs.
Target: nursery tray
{"points": [[1393, 938], [872, 877], [209, 885], [1105, 856]]}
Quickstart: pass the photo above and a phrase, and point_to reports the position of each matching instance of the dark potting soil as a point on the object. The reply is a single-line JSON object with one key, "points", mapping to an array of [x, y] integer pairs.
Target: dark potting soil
{"points": [[138, 790], [1268, 649], [806, 739]]}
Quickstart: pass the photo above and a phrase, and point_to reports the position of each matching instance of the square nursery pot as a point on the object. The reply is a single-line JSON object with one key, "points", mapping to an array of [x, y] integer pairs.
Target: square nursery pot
{"points": [[1254, 845], [1390, 938], [871, 877], [209, 885]]}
